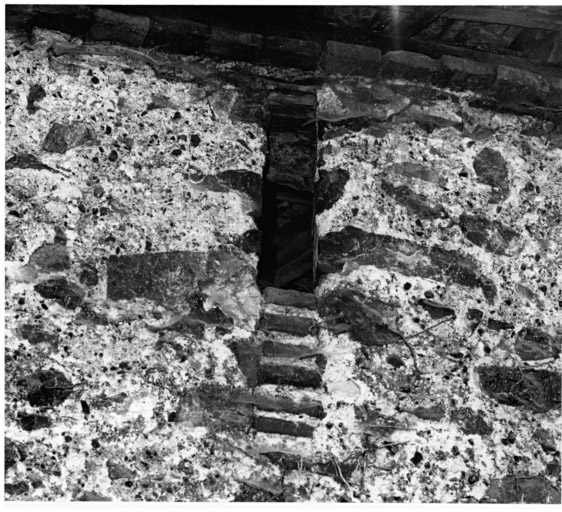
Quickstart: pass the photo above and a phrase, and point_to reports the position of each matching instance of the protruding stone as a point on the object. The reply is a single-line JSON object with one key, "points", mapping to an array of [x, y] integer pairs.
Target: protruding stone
{"points": [[330, 188], [432, 413], [491, 169], [546, 439], [350, 59], [492, 236], [521, 85], [533, 345], [408, 65], [37, 334], [267, 400], [471, 422], [528, 489], [68, 294], [495, 324], [92, 496], [536, 390], [25, 161], [62, 137], [14, 452], [294, 462]]}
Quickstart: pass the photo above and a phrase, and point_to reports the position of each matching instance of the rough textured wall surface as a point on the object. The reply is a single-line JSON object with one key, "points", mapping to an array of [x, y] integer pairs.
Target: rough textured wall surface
{"points": [[440, 228]]}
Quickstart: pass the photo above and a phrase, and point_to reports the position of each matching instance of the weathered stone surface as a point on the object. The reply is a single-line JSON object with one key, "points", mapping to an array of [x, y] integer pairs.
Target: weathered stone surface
{"points": [[68, 294], [233, 44], [415, 170], [273, 425], [47, 387], [301, 326], [289, 298], [117, 471], [491, 169], [350, 59], [416, 204], [169, 278], [462, 73], [14, 452], [248, 352], [355, 245], [62, 137], [287, 52], [536, 390], [408, 65], [92, 496], [330, 188], [521, 85], [435, 309], [51, 258], [471, 422], [535, 489], [289, 371], [488, 234], [179, 35], [31, 422], [533, 344]]}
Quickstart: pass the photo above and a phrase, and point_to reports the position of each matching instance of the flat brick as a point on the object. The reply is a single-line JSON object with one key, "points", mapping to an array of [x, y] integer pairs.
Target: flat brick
{"points": [[289, 298], [520, 85], [233, 44], [350, 59], [291, 372], [288, 52], [301, 326], [408, 65], [119, 27]]}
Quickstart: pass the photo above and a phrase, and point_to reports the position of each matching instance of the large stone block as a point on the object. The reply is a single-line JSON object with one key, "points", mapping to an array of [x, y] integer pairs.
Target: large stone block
{"points": [[119, 27], [288, 52], [533, 344], [350, 59], [231, 44], [465, 73], [520, 85], [178, 35], [408, 65]]}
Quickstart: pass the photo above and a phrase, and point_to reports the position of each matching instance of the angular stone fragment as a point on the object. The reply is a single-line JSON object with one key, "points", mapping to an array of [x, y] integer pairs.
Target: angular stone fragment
{"points": [[408, 65], [274, 425], [291, 298], [533, 344], [415, 170], [289, 371], [25, 161], [330, 188], [249, 183], [51, 258], [36, 93], [301, 326], [531, 489], [495, 324], [35, 334], [92, 496], [465, 74], [430, 117], [62, 137], [288, 52], [89, 275], [16, 488], [47, 387], [117, 471], [14, 452], [536, 390], [294, 462], [435, 309], [248, 352], [350, 59], [398, 255], [520, 85], [251, 106], [249, 242], [415, 204], [68, 294], [491, 169], [471, 422], [433, 413], [31, 422], [235, 45], [546, 439], [490, 235]]}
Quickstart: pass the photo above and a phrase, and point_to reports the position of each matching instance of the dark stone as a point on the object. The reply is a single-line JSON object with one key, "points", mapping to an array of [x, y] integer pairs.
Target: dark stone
{"points": [[37, 334], [291, 298], [47, 387], [436, 310], [248, 352], [89, 275], [9, 245], [250, 183], [471, 422], [350, 59], [293, 53], [429, 119], [31, 422], [110, 25], [168, 278], [251, 106], [536, 390], [415, 170], [490, 235], [25, 161], [546, 439], [474, 315], [395, 361], [520, 85], [282, 371], [459, 73], [285, 427], [62, 137], [355, 245], [117, 471], [92, 496], [68, 294], [51, 258], [235, 45], [433, 413], [295, 462], [20, 487], [499, 325], [36, 93], [417, 458], [533, 344], [408, 65], [300, 326], [91, 316], [415, 204], [280, 403], [177, 35], [14, 452], [491, 169], [330, 188], [535, 489], [250, 241]]}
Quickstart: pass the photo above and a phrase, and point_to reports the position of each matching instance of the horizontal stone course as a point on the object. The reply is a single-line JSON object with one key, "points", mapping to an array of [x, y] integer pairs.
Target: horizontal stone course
{"points": [[350, 59]]}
